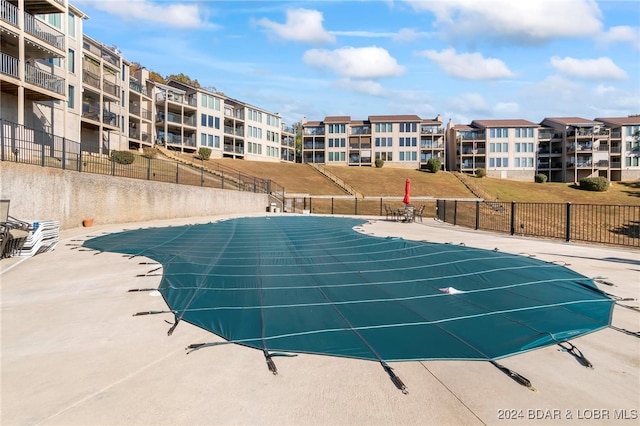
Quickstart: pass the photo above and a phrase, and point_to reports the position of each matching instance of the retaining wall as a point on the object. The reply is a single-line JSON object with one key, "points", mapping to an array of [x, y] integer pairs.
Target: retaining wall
{"points": [[42, 193]]}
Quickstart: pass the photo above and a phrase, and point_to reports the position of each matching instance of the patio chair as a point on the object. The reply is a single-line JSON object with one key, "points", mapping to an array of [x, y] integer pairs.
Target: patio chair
{"points": [[13, 232], [420, 212], [390, 212]]}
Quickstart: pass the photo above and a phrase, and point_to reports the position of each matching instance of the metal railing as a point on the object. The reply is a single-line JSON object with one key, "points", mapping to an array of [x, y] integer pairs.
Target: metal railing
{"points": [[9, 65], [616, 225], [43, 31], [44, 79], [21, 144], [591, 223], [9, 12]]}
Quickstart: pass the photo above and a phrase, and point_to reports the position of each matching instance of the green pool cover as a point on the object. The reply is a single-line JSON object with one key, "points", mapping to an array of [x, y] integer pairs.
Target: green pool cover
{"points": [[315, 285]]}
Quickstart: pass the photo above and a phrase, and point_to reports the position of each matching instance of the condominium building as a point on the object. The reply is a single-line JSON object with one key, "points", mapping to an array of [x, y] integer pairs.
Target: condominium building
{"points": [[399, 140], [39, 71], [140, 108], [504, 148], [287, 143], [572, 148], [624, 147], [176, 116], [105, 81]]}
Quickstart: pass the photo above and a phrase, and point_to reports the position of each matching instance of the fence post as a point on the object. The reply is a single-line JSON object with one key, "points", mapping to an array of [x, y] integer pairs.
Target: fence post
{"points": [[113, 167], [221, 180], [42, 150], [455, 212], [380, 206], [177, 172], [444, 211], [2, 139], [567, 232], [477, 214], [64, 153], [513, 218], [148, 168], [356, 212], [283, 194], [331, 205], [304, 203], [80, 160], [310, 201], [202, 176]]}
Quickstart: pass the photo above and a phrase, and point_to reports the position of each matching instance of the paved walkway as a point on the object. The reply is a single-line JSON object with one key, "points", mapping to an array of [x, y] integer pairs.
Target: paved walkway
{"points": [[73, 354]]}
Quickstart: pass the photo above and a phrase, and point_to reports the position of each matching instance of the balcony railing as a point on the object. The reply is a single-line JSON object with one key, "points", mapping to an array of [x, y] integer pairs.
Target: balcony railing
{"points": [[134, 85], [44, 79], [431, 130], [360, 130], [231, 131], [189, 121], [43, 31], [110, 118], [91, 110], [91, 79], [110, 88], [9, 13], [145, 113], [313, 131], [9, 65]]}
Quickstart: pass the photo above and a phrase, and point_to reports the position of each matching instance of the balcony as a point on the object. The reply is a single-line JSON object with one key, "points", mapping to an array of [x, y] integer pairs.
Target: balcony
{"points": [[110, 88], [91, 110], [91, 79], [44, 79], [44, 32], [313, 131], [9, 65], [9, 13], [228, 130], [360, 130], [137, 87], [110, 118], [431, 130]]}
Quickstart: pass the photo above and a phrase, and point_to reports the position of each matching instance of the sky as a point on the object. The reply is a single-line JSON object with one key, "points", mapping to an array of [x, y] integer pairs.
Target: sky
{"points": [[462, 59]]}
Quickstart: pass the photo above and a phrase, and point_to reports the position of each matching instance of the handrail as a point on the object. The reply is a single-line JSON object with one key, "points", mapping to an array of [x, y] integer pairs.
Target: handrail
{"points": [[341, 183]]}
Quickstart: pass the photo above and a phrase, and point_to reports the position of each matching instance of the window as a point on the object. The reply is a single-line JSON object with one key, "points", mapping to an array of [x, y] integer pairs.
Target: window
{"points": [[498, 132], [383, 127], [216, 141], [217, 122], [210, 121], [71, 23], [203, 139], [71, 61], [210, 140], [71, 100], [203, 120], [408, 127]]}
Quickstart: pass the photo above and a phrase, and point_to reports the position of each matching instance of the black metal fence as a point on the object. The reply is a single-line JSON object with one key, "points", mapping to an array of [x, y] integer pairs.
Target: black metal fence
{"points": [[592, 223], [21, 144]]}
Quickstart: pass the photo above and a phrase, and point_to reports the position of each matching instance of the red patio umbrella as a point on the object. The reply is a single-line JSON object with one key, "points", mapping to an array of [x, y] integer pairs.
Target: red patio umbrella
{"points": [[407, 190]]}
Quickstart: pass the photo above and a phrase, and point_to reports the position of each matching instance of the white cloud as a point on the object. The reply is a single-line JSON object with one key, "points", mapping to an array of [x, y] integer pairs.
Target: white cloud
{"points": [[601, 90], [589, 69], [621, 34], [469, 103], [367, 87], [520, 21], [171, 14], [506, 109], [468, 66], [355, 62], [303, 25]]}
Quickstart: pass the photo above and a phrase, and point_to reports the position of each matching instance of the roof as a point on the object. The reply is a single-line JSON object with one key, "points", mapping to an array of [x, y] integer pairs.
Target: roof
{"points": [[621, 121], [516, 122], [431, 121], [570, 121], [312, 124], [463, 128], [393, 118], [337, 119]]}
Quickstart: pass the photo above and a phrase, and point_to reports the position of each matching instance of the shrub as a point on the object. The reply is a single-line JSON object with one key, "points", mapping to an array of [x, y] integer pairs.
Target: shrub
{"points": [[540, 178], [150, 152], [434, 165], [122, 157], [480, 172], [379, 162], [204, 153], [600, 184]]}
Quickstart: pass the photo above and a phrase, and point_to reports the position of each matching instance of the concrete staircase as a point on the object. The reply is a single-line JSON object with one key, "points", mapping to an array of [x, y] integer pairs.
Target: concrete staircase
{"points": [[335, 179]]}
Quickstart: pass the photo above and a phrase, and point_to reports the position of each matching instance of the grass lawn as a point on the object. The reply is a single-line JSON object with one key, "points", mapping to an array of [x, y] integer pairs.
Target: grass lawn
{"points": [[627, 193]]}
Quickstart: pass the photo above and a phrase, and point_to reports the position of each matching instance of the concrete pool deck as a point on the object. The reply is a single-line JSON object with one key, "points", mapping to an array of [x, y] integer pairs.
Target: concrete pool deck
{"points": [[73, 354]]}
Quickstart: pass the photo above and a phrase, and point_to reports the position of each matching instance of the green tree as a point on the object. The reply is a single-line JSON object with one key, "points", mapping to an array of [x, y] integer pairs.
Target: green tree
{"points": [[183, 78], [434, 165]]}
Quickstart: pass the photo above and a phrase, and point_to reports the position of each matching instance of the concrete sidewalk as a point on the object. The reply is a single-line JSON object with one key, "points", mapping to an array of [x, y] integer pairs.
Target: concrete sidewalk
{"points": [[73, 354]]}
